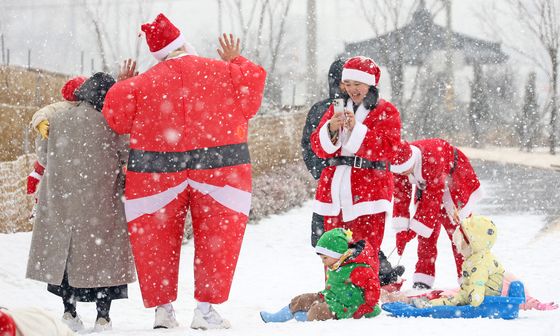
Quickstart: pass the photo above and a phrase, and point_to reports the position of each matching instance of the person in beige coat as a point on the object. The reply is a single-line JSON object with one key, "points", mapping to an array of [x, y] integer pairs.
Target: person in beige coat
{"points": [[80, 244]]}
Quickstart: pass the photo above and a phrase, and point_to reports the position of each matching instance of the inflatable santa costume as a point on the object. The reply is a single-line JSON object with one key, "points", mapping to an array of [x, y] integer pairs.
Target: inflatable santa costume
{"points": [[441, 184], [187, 118]]}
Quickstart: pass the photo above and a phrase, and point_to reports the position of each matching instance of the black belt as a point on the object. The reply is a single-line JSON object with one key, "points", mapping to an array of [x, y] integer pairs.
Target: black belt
{"points": [[204, 158], [357, 162]]}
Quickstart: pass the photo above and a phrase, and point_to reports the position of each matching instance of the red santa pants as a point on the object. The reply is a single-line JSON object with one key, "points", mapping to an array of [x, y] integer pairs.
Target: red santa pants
{"points": [[427, 250], [368, 227], [156, 244]]}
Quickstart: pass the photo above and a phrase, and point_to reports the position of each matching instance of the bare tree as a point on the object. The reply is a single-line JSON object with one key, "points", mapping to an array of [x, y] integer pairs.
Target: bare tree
{"points": [[262, 26], [112, 47], [539, 21], [529, 116]]}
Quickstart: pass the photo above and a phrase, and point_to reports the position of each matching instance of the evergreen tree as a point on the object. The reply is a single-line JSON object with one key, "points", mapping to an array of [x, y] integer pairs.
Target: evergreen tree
{"points": [[479, 108], [529, 115]]}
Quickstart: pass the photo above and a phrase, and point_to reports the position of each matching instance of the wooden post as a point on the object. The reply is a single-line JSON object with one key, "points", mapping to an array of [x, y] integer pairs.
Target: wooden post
{"points": [[82, 63], [28, 59], [311, 50], [92, 65], [38, 98], [25, 140], [449, 85], [220, 31], [3, 50]]}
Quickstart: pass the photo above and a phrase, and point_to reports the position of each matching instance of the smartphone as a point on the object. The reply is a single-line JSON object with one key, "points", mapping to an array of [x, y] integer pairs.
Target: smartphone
{"points": [[338, 105]]}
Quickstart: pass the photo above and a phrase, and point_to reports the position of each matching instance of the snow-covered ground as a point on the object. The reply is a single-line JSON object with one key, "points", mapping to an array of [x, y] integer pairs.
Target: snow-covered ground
{"points": [[278, 263], [540, 157]]}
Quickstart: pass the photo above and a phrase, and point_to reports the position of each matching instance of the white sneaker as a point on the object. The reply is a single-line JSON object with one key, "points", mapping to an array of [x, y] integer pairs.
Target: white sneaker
{"points": [[212, 320], [165, 319], [102, 325], [74, 323]]}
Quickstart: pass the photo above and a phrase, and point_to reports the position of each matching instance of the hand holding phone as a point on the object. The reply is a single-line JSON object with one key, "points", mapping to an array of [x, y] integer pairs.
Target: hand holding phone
{"points": [[338, 105]]}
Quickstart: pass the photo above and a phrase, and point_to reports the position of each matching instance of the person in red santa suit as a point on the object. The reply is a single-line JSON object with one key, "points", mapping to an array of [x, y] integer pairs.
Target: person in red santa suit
{"points": [[355, 190], [443, 187], [187, 118]]}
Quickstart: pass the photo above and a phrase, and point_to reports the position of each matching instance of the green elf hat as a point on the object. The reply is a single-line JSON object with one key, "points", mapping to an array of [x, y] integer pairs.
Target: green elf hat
{"points": [[334, 243]]}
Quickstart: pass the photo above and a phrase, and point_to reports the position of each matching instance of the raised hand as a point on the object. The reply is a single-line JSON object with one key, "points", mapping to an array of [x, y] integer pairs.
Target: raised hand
{"points": [[336, 121], [349, 120], [128, 70], [230, 47]]}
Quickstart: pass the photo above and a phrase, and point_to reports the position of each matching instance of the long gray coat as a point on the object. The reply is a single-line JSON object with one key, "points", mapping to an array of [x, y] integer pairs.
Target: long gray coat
{"points": [[80, 223]]}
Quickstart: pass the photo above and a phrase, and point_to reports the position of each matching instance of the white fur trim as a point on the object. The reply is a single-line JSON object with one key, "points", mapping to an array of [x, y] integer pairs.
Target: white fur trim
{"points": [[420, 228], [467, 209], [359, 76], [161, 54], [400, 223], [232, 198], [324, 251], [366, 208], [36, 175], [424, 278], [417, 168], [415, 155], [325, 139], [342, 199], [361, 112], [190, 49], [354, 211], [356, 138]]}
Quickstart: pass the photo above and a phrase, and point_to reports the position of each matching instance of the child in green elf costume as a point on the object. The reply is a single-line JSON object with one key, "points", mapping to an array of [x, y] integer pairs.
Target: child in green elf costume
{"points": [[351, 289]]}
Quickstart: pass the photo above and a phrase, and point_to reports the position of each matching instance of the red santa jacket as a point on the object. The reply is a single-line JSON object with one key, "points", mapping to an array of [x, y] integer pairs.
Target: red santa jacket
{"points": [[187, 118], [358, 191], [449, 181]]}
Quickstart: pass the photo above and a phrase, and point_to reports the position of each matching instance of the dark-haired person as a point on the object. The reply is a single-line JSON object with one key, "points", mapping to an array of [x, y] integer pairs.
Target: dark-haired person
{"points": [[315, 164], [80, 244]]}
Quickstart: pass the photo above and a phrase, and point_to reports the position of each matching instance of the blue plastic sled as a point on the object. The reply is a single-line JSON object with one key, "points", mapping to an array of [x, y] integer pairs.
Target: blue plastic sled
{"points": [[504, 307]]}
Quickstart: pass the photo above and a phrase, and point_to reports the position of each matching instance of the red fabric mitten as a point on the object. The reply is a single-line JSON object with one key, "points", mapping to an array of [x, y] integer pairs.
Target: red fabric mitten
{"points": [[362, 310], [403, 238], [34, 178]]}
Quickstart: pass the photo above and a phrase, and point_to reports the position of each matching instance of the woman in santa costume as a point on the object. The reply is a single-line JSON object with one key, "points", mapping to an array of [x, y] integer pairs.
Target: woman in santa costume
{"points": [[187, 118], [355, 191], [440, 181]]}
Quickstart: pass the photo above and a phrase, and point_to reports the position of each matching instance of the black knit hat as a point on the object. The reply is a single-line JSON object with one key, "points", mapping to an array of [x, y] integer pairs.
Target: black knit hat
{"points": [[94, 89]]}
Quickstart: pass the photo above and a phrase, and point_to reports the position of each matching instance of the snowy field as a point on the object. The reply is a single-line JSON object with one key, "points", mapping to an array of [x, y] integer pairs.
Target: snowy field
{"points": [[278, 263]]}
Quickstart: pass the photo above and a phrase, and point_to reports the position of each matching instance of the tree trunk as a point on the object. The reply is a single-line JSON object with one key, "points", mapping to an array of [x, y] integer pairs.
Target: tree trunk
{"points": [[396, 75], [554, 108]]}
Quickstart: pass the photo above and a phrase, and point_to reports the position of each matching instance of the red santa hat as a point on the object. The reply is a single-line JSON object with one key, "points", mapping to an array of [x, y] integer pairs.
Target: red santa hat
{"points": [[71, 86], [361, 69], [405, 158], [163, 37]]}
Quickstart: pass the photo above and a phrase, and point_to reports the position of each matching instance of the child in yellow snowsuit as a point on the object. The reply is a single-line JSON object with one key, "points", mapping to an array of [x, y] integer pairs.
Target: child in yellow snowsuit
{"points": [[482, 274]]}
